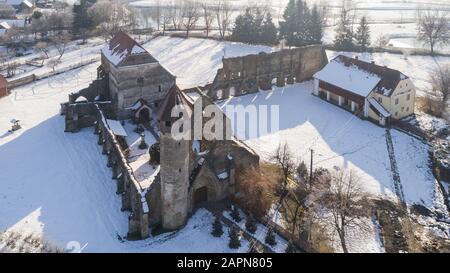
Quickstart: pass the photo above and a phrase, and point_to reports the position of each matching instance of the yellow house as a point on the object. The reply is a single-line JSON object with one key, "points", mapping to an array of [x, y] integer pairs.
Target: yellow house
{"points": [[371, 91]]}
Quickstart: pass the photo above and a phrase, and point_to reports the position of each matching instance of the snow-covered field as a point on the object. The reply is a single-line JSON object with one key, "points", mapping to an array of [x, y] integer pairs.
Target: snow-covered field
{"points": [[343, 140], [57, 184], [394, 19]]}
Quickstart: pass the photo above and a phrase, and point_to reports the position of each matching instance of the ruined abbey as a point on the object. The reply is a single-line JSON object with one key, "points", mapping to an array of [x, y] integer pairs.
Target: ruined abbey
{"points": [[130, 104]]}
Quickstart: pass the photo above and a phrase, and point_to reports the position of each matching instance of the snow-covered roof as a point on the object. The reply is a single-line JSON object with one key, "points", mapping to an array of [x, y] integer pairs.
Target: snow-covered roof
{"points": [[27, 3], [360, 77], [19, 23], [379, 107], [5, 25], [223, 175], [116, 127], [13, 2], [348, 76], [120, 47]]}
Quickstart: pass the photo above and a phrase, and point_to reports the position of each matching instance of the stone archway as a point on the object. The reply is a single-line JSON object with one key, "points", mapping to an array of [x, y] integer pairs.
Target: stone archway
{"points": [[143, 114], [200, 196]]}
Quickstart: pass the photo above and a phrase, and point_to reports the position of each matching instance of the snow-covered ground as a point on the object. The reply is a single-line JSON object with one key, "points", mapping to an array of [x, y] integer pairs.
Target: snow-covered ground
{"points": [[57, 184], [340, 139], [393, 19], [260, 233], [196, 61]]}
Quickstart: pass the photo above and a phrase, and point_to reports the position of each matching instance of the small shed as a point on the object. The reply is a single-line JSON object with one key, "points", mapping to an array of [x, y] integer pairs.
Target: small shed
{"points": [[3, 86]]}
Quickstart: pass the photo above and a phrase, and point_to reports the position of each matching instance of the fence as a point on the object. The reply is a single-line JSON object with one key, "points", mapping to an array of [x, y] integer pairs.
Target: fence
{"points": [[35, 77], [300, 244], [409, 129]]}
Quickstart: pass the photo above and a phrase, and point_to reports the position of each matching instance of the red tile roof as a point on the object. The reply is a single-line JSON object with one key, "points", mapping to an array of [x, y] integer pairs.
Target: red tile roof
{"points": [[122, 46]]}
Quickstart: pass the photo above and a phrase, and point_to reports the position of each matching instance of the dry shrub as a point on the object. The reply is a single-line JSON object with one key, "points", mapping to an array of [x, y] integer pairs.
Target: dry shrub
{"points": [[431, 105], [256, 187]]}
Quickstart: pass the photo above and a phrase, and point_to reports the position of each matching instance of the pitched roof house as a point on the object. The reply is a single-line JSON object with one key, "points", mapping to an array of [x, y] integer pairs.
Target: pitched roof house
{"points": [[133, 74], [372, 91]]}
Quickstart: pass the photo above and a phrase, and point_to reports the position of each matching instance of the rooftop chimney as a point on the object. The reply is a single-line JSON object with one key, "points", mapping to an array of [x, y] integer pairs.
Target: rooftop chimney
{"points": [[356, 57], [373, 62]]}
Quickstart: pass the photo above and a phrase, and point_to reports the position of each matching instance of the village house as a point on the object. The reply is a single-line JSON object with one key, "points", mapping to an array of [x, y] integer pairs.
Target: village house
{"points": [[4, 27], [3, 86], [371, 91], [22, 6]]}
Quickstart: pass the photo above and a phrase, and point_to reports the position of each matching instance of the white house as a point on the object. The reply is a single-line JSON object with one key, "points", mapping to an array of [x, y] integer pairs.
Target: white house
{"points": [[371, 91]]}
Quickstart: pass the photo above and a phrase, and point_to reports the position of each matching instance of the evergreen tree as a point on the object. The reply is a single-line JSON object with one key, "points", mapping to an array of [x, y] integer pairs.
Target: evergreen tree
{"points": [[234, 238], [300, 36], [270, 238], [290, 248], [235, 214], [256, 35], [362, 36], [217, 228], [154, 152], [316, 26], [269, 31], [302, 171], [287, 26], [82, 22], [250, 224], [344, 33], [244, 29]]}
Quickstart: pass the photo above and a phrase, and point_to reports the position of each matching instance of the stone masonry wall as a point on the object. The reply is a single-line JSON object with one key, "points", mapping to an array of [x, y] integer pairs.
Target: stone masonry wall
{"points": [[241, 75], [134, 198]]}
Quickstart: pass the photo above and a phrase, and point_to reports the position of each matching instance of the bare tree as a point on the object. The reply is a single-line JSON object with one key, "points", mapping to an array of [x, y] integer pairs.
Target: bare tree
{"points": [[165, 20], [7, 11], [208, 17], [284, 159], [256, 188], [295, 211], [176, 14], [60, 41], [112, 17], [42, 48], [433, 28], [440, 79], [223, 16], [190, 13], [346, 203], [11, 68], [381, 41]]}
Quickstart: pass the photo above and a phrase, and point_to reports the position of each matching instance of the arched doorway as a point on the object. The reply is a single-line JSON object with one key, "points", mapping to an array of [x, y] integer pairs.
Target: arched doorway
{"points": [[200, 196], [144, 115]]}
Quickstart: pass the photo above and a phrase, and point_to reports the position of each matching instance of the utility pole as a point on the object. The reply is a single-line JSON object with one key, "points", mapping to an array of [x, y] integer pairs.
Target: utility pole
{"points": [[311, 169]]}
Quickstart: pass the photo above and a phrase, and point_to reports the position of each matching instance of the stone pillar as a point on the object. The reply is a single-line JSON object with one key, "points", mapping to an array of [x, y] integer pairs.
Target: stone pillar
{"points": [[353, 106], [126, 198], [100, 138], [328, 95], [120, 182], [280, 81], [316, 87], [340, 100], [290, 79], [366, 108], [144, 226]]}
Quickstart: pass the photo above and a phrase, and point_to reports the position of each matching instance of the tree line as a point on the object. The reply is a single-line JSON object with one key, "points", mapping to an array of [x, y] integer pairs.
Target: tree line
{"points": [[301, 25]]}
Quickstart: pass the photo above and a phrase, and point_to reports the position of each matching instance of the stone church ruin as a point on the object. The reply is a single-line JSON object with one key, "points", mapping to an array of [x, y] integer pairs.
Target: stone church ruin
{"points": [[130, 104]]}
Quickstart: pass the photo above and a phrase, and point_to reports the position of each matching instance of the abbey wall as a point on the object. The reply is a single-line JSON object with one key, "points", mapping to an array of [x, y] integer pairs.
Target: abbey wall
{"points": [[247, 74]]}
